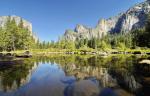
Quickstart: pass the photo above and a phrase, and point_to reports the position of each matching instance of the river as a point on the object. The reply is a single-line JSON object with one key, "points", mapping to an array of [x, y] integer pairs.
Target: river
{"points": [[76, 75]]}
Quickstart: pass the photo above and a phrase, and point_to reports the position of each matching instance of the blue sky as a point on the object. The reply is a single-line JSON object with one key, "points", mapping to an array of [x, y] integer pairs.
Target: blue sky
{"points": [[50, 18]]}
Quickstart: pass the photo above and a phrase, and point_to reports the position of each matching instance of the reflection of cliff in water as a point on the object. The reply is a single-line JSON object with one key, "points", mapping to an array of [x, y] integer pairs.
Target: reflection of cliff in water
{"points": [[125, 80], [87, 72], [133, 78], [117, 73], [142, 75]]}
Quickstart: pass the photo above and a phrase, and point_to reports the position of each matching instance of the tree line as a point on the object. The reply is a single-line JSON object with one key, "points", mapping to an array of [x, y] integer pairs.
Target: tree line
{"points": [[124, 40], [15, 36]]}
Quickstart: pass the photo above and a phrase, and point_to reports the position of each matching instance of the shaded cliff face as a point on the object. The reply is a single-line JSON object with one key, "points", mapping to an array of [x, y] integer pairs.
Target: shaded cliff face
{"points": [[133, 18]]}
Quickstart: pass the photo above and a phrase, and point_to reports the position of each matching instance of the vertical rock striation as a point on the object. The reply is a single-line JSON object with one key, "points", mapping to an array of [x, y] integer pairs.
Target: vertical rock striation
{"points": [[133, 18]]}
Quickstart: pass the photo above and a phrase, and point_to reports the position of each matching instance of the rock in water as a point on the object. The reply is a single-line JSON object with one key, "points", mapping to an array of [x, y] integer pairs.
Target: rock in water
{"points": [[85, 88], [145, 62]]}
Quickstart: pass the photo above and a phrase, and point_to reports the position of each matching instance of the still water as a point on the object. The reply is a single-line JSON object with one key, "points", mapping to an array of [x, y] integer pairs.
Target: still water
{"points": [[74, 75]]}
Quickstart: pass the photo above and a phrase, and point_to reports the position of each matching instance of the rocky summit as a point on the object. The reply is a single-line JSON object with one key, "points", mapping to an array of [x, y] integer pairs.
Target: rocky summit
{"points": [[133, 18]]}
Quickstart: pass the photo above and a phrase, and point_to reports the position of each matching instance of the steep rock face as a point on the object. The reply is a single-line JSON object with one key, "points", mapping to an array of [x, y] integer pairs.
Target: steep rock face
{"points": [[133, 18], [3, 20], [26, 24], [70, 35]]}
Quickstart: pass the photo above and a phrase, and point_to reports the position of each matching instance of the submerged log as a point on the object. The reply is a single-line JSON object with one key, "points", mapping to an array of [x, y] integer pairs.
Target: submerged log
{"points": [[148, 53], [137, 52], [103, 54], [23, 56], [26, 54], [145, 62]]}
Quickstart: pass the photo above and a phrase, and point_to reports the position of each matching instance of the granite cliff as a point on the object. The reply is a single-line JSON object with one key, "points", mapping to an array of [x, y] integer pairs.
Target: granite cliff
{"points": [[133, 18], [26, 24]]}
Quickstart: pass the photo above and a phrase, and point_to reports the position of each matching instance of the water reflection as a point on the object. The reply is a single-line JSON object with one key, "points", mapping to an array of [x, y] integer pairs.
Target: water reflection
{"points": [[71, 75]]}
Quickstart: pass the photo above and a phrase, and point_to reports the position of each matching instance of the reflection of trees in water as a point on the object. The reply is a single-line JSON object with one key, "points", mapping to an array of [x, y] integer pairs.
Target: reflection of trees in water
{"points": [[125, 79], [142, 75], [83, 68], [100, 73], [14, 76], [127, 73], [113, 71], [142, 70], [89, 64]]}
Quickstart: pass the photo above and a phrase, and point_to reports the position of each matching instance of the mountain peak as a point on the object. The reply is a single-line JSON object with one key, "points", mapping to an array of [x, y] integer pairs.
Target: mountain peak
{"points": [[80, 28], [133, 18]]}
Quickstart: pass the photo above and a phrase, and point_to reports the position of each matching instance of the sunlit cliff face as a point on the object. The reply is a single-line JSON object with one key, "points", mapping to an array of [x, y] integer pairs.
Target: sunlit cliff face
{"points": [[133, 18]]}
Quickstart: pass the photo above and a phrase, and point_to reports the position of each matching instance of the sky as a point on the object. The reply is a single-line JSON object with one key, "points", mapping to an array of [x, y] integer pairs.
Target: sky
{"points": [[50, 18]]}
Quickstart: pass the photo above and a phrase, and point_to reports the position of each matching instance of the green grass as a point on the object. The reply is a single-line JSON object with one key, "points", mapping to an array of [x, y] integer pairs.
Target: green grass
{"points": [[78, 51]]}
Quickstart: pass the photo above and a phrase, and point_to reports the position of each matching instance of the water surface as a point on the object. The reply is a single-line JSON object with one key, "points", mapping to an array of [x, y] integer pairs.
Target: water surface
{"points": [[74, 75]]}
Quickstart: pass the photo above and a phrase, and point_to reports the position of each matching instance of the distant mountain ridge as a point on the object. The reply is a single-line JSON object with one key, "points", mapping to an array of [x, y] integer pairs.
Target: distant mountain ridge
{"points": [[133, 18]]}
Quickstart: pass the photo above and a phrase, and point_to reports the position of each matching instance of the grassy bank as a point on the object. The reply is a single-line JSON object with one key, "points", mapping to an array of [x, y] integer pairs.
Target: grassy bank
{"points": [[80, 51]]}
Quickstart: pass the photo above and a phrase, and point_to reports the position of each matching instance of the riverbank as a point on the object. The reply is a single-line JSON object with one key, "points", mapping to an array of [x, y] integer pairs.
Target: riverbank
{"points": [[89, 51]]}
